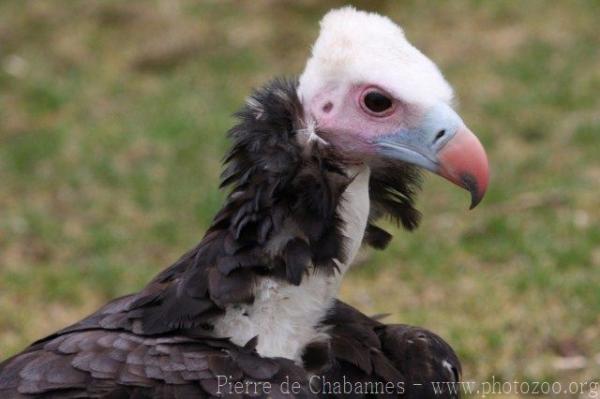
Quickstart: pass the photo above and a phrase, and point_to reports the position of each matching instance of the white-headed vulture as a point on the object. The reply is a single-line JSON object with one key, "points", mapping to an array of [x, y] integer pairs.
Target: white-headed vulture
{"points": [[314, 163]]}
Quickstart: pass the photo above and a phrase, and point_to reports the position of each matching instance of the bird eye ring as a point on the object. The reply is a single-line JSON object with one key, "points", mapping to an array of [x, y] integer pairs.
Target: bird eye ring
{"points": [[376, 102]]}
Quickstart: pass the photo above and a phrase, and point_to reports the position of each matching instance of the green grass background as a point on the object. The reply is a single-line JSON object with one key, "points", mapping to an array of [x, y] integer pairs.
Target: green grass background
{"points": [[112, 126]]}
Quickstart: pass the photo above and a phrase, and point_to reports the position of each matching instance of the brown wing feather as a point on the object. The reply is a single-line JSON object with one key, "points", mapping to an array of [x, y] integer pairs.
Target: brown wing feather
{"points": [[364, 350], [97, 363]]}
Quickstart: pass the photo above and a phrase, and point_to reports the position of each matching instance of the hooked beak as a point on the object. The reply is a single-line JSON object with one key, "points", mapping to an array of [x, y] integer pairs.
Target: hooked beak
{"points": [[443, 145]]}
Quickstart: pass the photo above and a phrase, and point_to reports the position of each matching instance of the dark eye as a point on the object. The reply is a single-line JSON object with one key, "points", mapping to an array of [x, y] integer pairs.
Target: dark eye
{"points": [[377, 102]]}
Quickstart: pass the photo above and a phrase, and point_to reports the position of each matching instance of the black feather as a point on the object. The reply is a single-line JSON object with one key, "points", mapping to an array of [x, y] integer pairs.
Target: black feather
{"points": [[377, 237]]}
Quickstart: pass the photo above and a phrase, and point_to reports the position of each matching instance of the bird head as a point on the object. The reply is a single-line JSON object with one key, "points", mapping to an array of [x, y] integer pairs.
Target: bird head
{"points": [[374, 96]]}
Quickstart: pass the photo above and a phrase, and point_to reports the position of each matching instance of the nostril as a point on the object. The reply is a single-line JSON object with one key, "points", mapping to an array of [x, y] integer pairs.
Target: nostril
{"points": [[439, 135]]}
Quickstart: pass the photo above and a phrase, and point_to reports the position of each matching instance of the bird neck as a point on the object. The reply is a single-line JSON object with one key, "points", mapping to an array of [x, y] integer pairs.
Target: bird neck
{"points": [[286, 317], [354, 211]]}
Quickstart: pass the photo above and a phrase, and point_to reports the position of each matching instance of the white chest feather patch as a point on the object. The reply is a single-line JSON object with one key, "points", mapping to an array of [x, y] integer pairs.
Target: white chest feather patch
{"points": [[284, 316]]}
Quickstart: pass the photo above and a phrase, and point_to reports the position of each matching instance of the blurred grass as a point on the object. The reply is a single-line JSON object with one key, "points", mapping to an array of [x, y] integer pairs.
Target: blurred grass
{"points": [[112, 127]]}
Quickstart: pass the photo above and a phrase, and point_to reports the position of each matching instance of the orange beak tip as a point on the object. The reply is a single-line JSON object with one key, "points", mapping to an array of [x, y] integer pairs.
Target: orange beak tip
{"points": [[464, 162]]}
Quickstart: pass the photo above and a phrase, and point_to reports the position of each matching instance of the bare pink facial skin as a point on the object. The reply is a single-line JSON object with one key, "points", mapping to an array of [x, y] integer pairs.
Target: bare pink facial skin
{"points": [[343, 120]]}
